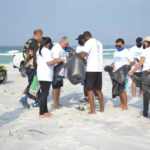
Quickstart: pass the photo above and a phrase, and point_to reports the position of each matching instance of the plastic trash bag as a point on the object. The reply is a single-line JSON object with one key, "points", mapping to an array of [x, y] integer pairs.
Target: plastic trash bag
{"points": [[35, 86], [57, 69], [118, 79], [76, 69], [137, 80], [146, 82]]}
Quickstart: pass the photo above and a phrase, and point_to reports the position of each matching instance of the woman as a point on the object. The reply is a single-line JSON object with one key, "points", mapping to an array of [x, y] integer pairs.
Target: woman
{"points": [[45, 71], [145, 61]]}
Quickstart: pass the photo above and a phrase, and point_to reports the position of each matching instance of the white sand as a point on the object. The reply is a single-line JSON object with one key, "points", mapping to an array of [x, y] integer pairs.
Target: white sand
{"points": [[70, 129]]}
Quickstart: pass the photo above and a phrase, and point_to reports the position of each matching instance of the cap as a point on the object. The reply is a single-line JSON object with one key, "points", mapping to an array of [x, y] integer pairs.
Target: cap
{"points": [[139, 40], [147, 39], [80, 37]]}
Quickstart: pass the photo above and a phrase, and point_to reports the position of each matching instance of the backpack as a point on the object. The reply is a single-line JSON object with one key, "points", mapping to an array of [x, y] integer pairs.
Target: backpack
{"points": [[27, 53]]}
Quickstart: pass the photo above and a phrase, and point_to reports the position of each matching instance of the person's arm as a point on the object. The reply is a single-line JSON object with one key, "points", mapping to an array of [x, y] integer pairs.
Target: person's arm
{"points": [[138, 66], [82, 54], [112, 65], [130, 58], [131, 63], [55, 61], [34, 55]]}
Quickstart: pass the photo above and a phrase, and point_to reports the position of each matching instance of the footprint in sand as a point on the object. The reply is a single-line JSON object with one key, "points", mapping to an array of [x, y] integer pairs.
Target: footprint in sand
{"points": [[134, 100]]}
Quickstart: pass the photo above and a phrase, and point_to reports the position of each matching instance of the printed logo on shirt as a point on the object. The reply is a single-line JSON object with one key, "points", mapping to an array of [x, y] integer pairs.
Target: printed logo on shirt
{"points": [[117, 59], [79, 51], [138, 54]]}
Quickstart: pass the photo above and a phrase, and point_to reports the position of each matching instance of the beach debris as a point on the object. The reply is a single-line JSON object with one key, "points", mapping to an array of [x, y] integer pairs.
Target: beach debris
{"points": [[4, 90], [83, 106], [14, 93], [37, 131], [60, 127]]}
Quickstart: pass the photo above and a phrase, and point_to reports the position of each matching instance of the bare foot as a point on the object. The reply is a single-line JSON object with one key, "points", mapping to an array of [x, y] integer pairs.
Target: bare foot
{"points": [[49, 114], [121, 106], [142, 117], [44, 116], [60, 105], [56, 107], [101, 110], [92, 112], [124, 108], [133, 96]]}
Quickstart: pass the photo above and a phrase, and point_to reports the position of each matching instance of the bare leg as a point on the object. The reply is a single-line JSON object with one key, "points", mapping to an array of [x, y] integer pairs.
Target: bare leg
{"points": [[58, 97], [134, 89], [55, 94], [95, 93], [141, 92], [91, 100], [121, 100], [100, 97], [124, 99]]}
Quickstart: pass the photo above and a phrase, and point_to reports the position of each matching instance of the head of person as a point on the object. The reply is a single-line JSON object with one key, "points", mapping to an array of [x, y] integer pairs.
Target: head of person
{"points": [[64, 42], [38, 33], [120, 44], [146, 42], [87, 35], [45, 42], [139, 42], [81, 40]]}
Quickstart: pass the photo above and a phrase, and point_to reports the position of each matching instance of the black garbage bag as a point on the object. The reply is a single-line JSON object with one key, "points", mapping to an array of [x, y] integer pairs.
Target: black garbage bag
{"points": [[146, 82], [57, 69], [118, 79], [76, 69], [137, 80]]}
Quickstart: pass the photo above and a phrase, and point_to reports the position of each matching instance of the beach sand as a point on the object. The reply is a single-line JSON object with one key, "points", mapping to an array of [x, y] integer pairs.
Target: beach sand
{"points": [[69, 128]]}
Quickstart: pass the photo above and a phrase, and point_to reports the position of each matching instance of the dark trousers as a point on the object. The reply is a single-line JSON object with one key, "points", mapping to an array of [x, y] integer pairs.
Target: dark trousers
{"points": [[146, 96], [45, 86], [30, 74]]}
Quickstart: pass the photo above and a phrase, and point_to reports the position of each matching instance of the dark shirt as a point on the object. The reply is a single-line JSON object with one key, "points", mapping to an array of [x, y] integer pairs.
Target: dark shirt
{"points": [[34, 46]]}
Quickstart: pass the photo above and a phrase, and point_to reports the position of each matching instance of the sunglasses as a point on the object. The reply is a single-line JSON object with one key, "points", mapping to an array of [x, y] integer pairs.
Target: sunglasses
{"points": [[118, 45]]}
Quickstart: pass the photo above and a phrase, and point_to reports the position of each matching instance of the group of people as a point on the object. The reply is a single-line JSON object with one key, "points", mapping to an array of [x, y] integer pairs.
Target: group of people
{"points": [[41, 56]]}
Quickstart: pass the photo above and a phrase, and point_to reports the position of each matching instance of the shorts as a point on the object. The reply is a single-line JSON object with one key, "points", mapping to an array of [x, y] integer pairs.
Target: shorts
{"points": [[93, 80], [59, 84], [126, 85]]}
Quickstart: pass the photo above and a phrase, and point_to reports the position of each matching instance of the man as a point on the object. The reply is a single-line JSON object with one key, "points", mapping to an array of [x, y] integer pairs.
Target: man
{"points": [[145, 62], [93, 50], [79, 49], [29, 54], [136, 52], [122, 57], [59, 52]]}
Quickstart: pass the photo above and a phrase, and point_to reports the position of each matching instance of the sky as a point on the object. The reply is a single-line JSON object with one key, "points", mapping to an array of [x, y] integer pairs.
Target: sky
{"points": [[107, 20]]}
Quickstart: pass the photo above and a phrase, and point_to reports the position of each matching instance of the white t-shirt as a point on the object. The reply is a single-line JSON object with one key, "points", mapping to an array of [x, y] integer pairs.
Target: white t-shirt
{"points": [[44, 72], [136, 53], [59, 52], [94, 50], [146, 54], [79, 49], [121, 58]]}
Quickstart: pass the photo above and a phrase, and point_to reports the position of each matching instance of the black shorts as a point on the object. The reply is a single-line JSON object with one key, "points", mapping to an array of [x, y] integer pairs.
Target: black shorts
{"points": [[58, 85], [93, 80]]}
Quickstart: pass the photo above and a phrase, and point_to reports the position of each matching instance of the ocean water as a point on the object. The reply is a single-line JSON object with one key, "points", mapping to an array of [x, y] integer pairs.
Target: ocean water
{"points": [[7, 52]]}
